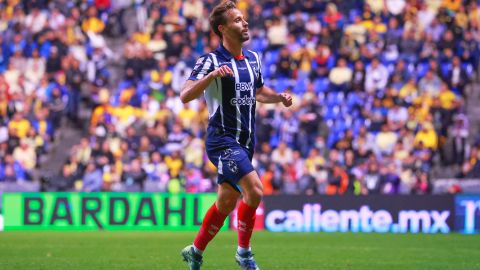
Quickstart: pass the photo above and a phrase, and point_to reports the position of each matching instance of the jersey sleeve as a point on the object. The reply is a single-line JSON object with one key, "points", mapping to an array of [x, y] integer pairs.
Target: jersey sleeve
{"points": [[259, 81], [203, 66]]}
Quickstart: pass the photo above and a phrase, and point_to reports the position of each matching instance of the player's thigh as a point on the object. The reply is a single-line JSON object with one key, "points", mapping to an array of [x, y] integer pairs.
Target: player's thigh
{"points": [[251, 184], [227, 198], [233, 162]]}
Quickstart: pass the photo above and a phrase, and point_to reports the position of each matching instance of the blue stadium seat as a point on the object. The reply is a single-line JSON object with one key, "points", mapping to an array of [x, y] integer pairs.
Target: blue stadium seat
{"points": [[271, 57], [333, 137], [282, 84], [353, 99], [321, 85], [331, 112], [422, 69], [300, 85], [321, 98], [336, 98], [468, 67], [331, 62], [445, 69]]}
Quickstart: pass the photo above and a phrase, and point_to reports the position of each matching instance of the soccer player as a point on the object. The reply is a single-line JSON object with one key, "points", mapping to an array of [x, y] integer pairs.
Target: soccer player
{"points": [[231, 78]]}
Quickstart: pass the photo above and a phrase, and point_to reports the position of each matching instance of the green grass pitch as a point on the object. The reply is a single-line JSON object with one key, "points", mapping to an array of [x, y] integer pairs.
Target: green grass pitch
{"points": [[161, 250]]}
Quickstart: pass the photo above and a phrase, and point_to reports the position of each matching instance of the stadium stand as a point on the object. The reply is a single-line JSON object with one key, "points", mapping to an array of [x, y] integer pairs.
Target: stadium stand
{"points": [[381, 94]]}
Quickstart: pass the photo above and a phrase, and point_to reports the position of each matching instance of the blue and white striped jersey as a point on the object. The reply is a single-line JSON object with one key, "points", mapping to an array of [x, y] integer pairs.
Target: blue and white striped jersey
{"points": [[231, 100]]}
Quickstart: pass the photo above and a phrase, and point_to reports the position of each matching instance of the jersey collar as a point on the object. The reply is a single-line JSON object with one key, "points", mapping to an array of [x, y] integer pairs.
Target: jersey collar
{"points": [[228, 55]]}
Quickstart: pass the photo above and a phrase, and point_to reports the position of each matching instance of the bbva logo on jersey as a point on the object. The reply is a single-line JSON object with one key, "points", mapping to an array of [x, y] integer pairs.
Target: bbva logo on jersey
{"points": [[243, 86]]}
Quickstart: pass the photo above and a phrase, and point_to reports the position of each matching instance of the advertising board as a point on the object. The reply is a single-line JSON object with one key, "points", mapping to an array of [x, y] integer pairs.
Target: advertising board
{"points": [[282, 213], [105, 211], [467, 213], [381, 214]]}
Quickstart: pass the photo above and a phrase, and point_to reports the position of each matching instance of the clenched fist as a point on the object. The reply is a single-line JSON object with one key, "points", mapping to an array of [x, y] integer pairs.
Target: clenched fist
{"points": [[286, 99], [222, 72]]}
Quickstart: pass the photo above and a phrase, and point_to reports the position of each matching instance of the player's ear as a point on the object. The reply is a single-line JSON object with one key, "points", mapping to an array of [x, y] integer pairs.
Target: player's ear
{"points": [[221, 29]]}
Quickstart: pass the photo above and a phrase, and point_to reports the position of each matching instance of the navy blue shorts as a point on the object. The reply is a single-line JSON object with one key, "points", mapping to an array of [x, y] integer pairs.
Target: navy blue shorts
{"points": [[232, 160]]}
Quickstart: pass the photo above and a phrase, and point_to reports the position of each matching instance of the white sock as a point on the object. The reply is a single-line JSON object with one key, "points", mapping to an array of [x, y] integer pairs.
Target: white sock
{"points": [[198, 251], [242, 250]]}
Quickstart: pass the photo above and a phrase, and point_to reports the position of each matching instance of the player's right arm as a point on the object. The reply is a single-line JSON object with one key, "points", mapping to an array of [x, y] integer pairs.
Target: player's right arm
{"points": [[202, 75]]}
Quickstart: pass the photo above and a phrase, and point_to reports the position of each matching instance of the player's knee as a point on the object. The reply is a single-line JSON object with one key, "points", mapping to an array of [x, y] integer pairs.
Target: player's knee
{"points": [[259, 190], [259, 194], [254, 197]]}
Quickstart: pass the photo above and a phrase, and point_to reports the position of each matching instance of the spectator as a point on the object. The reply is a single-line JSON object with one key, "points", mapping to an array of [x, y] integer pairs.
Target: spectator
{"points": [[372, 179], [174, 164], [92, 23], [397, 117], [175, 139], [14, 168], [385, 141], [194, 151], [277, 33], [409, 46], [376, 77], [457, 77], [186, 116], [337, 181], [35, 68], [427, 137], [313, 26], [358, 77], [92, 179], [429, 84], [282, 155], [63, 180], [157, 170], [36, 20], [19, 126], [332, 15], [134, 174], [74, 79], [285, 64], [341, 75], [460, 132]]}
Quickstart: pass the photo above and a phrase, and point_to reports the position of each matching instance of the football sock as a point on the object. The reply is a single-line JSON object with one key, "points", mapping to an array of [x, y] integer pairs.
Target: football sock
{"points": [[197, 250], [212, 222], [246, 221], [241, 250]]}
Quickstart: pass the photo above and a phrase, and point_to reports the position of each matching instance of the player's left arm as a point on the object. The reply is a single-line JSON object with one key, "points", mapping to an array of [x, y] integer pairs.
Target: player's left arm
{"points": [[268, 95]]}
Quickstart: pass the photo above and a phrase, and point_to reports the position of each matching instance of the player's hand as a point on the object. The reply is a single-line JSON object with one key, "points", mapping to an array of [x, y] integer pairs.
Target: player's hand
{"points": [[222, 72], [286, 99]]}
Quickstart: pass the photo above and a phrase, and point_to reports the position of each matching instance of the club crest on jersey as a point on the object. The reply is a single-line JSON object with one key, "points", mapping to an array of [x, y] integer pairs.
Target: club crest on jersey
{"points": [[243, 86]]}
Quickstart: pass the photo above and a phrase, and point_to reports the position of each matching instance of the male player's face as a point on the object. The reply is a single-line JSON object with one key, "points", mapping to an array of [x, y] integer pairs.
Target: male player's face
{"points": [[237, 27]]}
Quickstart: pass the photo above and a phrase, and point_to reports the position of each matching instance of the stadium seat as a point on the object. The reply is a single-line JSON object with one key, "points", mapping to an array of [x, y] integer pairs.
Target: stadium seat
{"points": [[321, 85], [422, 69]]}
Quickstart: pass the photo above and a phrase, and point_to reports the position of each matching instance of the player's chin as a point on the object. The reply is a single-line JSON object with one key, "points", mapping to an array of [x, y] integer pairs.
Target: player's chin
{"points": [[245, 36]]}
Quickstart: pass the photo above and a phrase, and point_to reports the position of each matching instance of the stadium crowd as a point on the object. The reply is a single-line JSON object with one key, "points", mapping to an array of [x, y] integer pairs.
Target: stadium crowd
{"points": [[379, 86]]}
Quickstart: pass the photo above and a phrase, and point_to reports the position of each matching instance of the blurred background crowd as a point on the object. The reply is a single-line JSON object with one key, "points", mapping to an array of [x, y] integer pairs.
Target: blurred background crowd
{"points": [[381, 94]]}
